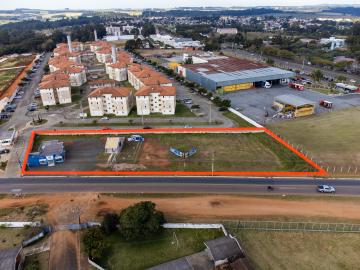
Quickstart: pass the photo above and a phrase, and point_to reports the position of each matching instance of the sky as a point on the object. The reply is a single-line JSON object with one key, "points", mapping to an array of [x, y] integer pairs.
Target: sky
{"points": [[106, 4]]}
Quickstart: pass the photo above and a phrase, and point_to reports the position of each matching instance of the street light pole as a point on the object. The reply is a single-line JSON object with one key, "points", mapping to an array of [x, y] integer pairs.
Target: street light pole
{"points": [[210, 113]]}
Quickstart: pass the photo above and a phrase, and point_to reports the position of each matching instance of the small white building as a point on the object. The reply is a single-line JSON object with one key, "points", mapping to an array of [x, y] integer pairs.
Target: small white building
{"points": [[334, 42], [156, 99], [227, 31], [110, 100], [114, 145]]}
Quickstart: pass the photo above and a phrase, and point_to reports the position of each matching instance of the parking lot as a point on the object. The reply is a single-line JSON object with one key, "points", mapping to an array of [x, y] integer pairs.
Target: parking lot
{"points": [[255, 102]]}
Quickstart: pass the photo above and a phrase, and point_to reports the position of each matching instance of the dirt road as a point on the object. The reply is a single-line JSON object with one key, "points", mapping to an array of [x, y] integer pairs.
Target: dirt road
{"points": [[63, 207]]}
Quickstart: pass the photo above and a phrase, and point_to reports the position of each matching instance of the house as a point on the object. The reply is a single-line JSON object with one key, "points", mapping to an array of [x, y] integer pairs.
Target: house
{"points": [[114, 145], [10, 259], [156, 99], [219, 253], [49, 154], [110, 100], [224, 250]]}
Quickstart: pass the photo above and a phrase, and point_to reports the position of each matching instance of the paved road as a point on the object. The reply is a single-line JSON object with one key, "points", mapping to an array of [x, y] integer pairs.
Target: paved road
{"points": [[176, 185]]}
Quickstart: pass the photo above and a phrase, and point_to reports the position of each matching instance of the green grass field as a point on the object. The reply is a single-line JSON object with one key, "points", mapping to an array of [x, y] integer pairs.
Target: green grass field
{"points": [[16, 62], [238, 120], [332, 138], [301, 250], [141, 255]]}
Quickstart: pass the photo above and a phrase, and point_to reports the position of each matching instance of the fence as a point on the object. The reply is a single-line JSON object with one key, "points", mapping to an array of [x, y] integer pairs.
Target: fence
{"points": [[291, 226], [194, 226]]}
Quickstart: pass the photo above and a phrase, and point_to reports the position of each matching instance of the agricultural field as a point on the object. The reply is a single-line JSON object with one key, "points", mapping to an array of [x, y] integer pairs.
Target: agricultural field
{"points": [[300, 250], [16, 61], [144, 254], [249, 152], [6, 77], [331, 138]]}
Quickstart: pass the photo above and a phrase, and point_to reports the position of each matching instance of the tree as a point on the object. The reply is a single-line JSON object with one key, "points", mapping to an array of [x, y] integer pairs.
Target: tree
{"points": [[317, 75], [130, 45], [110, 222], [270, 61], [148, 29], [140, 221], [93, 240], [189, 60]]}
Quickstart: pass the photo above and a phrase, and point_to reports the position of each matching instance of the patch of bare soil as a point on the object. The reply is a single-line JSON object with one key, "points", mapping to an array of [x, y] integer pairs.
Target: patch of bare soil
{"points": [[153, 154]]}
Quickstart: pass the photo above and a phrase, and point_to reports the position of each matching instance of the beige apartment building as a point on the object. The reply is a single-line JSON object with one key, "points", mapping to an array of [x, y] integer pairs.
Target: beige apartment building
{"points": [[156, 99], [55, 90], [110, 100]]}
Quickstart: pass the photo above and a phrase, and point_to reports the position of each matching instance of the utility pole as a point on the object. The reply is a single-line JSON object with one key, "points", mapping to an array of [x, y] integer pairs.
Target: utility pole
{"points": [[210, 113], [212, 163]]}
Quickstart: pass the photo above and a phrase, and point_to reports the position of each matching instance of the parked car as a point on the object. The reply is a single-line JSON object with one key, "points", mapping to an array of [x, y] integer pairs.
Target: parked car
{"points": [[18, 97], [135, 138], [4, 151], [326, 189], [104, 118]]}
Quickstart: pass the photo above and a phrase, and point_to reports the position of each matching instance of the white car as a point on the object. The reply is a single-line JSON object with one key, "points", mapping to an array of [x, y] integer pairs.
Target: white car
{"points": [[326, 189], [105, 118]]}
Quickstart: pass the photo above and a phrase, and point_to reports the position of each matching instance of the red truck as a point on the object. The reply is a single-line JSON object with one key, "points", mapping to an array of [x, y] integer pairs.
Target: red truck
{"points": [[297, 86]]}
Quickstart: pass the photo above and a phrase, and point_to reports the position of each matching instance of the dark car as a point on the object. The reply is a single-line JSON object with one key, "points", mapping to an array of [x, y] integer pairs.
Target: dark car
{"points": [[147, 127], [4, 151], [223, 109]]}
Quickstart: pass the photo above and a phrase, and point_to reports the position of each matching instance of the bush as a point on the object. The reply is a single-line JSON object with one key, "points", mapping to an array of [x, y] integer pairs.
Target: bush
{"points": [[93, 240], [109, 223]]}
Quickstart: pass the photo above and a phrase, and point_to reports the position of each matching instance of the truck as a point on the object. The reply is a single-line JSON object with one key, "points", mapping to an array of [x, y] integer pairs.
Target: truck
{"points": [[135, 138], [296, 86]]}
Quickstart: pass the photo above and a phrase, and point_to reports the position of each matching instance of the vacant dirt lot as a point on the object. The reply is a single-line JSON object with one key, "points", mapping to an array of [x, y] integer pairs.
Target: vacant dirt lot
{"points": [[218, 152], [63, 208]]}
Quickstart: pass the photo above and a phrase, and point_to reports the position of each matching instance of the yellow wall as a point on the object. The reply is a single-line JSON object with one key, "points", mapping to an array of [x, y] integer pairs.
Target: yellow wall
{"points": [[304, 111], [235, 87]]}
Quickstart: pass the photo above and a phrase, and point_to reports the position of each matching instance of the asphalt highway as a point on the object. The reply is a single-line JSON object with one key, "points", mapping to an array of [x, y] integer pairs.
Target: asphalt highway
{"points": [[285, 186]]}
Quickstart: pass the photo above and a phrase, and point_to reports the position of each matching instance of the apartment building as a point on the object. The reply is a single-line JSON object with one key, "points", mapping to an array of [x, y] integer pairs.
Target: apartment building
{"points": [[110, 100], [77, 75], [97, 45], [55, 89], [140, 76], [103, 55], [117, 71], [156, 99]]}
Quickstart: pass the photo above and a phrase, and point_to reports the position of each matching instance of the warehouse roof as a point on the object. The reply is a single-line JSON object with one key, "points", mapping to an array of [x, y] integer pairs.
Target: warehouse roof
{"points": [[232, 70], [293, 100]]}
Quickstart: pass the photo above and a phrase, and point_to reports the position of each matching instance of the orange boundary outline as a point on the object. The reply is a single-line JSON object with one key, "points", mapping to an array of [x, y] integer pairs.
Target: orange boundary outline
{"points": [[320, 172]]}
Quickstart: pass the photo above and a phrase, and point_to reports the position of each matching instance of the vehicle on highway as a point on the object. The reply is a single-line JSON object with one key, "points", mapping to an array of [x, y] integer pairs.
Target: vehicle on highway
{"points": [[106, 128], [147, 127], [326, 189], [4, 151], [104, 118]]}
